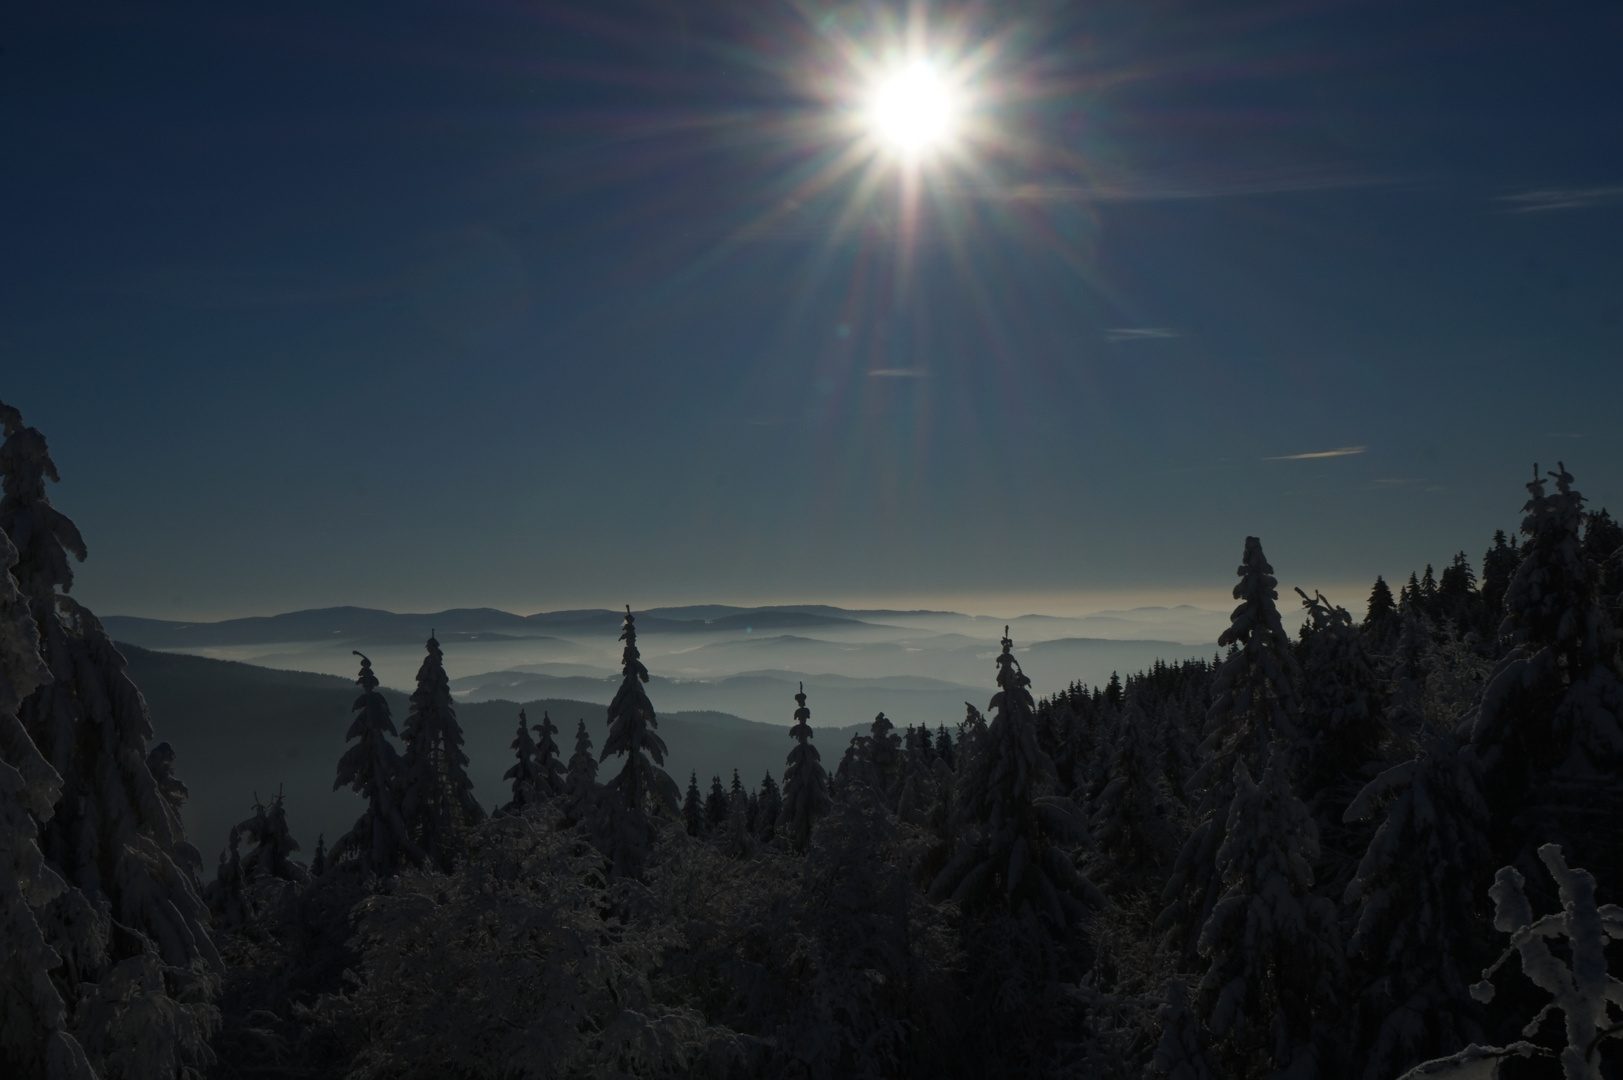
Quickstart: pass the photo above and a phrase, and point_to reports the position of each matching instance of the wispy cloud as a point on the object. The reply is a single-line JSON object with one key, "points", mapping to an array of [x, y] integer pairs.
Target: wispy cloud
{"points": [[897, 373], [1343, 451], [1140, 333], [1397, 481], [1535, 202]]}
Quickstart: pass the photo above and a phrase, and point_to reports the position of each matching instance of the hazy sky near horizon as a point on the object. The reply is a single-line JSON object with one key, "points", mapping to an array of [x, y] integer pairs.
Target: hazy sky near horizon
{"points": [[544, 305]]}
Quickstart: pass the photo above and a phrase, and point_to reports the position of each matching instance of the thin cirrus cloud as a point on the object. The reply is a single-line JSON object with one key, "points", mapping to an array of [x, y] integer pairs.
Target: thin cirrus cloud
{"points": [[1341, 451], [896, 373], [1534, 202], [1140, 333]]}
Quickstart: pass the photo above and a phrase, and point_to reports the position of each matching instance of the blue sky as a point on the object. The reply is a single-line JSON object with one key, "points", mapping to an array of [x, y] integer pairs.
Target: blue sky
{"points": [[550, 305]]}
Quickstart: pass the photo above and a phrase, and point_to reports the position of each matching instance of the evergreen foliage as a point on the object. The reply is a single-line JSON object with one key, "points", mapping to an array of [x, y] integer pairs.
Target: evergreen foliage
{"points": [[581, 789], [1253, 711], [641, 785], [693, 808], [805, 782], [523, 772], [372, 768], [1010, 855], [437, 802], [139, 968]]}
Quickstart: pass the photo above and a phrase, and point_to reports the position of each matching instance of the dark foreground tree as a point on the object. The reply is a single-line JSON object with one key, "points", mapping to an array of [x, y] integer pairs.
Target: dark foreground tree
{"points": [[805, 782], [437, 803], [379, 839], [641, 785]]}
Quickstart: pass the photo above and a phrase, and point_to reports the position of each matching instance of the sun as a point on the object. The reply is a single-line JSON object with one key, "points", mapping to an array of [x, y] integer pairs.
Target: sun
{"points": [[912, 111]]}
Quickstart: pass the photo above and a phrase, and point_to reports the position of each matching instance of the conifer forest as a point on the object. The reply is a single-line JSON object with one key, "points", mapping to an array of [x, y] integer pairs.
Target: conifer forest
{"points": [[1388, 846]]}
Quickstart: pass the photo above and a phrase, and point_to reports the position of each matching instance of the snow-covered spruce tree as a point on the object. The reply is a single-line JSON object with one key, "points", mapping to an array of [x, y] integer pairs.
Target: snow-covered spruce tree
{"points": [[1589, 999], [1550, 727], [1342, 724], [1009, 856], [885, 755], [581, 790], [1380, 615], [736, 839], [1416, 929], [139, 968], [1498, 566], [273, 844], [372, 768], [548, 759], [805, 782], [34, 1035], [522, 772], [715, 806], [693, 808], [1180, 1054], [771, 800], [437, 803], [641, 785], [1269, 995], [1253, 707], [1133, 816]]}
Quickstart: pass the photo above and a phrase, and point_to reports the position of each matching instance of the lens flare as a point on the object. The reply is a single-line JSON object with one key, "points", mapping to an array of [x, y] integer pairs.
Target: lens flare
{"points": [[913, 110]]}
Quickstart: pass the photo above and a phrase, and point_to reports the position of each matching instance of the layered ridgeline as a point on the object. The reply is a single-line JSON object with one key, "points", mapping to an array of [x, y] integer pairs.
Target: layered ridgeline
{"points": [[1313, 855]]}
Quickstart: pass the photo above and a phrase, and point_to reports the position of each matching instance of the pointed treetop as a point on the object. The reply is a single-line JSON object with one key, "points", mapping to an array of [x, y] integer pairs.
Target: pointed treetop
{"points": [[631, 659], [1009, 674], [367, 680]]}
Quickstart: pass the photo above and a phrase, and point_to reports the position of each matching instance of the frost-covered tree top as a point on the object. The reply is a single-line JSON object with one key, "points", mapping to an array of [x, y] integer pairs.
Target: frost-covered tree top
{"points": [[522, 772], [632, 733], [1551, 702], [438, 799], [1253, 704], [34, 1040], [372, 768], [1010, 856], [547, 758], [805, 781], [44, 537]]}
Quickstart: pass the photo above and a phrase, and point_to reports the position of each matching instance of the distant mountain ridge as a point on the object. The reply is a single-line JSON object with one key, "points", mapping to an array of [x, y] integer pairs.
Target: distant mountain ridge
{"points": [[239, 730], [451, 624]]}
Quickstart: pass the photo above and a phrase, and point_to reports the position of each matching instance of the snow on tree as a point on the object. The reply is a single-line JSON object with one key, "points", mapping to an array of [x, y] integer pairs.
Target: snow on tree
{"points": [[273, 844], [715, 805], [693, 808], [1589, 999], [372, 768], [34, 1035], [581, 789], [641, 785], [1341, 724], [113, 837], [1498, 566], [1380, 614], [1416, 929], [805, 782], [523, 772], [547, 758], [1010, 855], [884, 755], [437, 802], [318, 862], [1181, 1052], [736, 838], [943, 746], [1269, 994], [1253, 709], [1132, 816], [1550, 726], [771, 802]]}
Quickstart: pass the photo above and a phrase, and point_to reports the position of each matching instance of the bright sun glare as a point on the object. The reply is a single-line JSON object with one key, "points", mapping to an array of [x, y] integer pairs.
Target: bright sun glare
{"points": [[912, 110]]}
